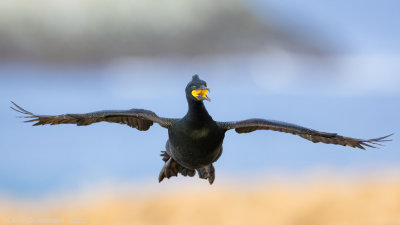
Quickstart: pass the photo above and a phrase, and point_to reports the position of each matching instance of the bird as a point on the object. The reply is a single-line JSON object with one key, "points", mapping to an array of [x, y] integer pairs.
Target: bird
{"points": [[195, 140]]}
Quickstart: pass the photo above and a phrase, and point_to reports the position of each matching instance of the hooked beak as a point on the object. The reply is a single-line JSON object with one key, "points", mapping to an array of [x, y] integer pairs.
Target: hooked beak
{"points": [[201, 93]]}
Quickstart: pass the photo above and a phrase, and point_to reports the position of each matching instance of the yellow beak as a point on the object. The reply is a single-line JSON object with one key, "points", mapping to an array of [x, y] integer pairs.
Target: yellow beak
{"points": [[201, 94]]}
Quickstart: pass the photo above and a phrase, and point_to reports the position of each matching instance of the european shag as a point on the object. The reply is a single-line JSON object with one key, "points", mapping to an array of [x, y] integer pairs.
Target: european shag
{"points": [[195, 141]]}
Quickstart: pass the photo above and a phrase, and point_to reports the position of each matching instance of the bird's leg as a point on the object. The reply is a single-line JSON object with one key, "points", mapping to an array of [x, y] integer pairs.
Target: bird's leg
{"points": [[207, 172], [172, 168], [169, 169]]}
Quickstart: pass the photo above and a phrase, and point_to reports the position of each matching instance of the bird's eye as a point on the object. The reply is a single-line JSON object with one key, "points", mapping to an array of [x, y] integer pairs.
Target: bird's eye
{"points": [[194, 87]]}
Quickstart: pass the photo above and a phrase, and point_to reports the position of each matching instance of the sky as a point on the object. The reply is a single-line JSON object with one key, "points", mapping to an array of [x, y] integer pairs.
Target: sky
{"points": [[359, 26]]}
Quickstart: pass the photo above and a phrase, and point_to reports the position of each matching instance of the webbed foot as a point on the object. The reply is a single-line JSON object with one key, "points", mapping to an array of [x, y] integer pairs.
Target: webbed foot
{"points": [[207, 172], [169, 169]]}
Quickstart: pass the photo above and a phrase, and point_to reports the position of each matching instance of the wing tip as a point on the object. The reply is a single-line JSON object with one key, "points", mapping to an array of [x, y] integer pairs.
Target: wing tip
{"points": [[376, 142], [20, 109]]}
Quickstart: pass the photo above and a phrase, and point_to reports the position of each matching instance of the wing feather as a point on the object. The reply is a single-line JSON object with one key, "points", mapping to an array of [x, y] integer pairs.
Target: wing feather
{"points": [[140, 119], [247, 126]]}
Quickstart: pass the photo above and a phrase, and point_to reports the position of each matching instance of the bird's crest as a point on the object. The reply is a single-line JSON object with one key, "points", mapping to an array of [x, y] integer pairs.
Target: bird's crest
{"points": [[195, 77]]}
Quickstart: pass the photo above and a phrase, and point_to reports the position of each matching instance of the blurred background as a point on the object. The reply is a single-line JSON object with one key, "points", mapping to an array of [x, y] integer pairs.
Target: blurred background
{"points": [[329, 65]]}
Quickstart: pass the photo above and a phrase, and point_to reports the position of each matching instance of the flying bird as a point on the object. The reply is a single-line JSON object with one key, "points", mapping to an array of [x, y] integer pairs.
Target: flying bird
{"points": [[195, 141]]}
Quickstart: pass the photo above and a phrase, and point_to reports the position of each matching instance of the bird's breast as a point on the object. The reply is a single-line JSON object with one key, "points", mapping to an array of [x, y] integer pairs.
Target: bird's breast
{"points": [[198, 133], [196, 147]]}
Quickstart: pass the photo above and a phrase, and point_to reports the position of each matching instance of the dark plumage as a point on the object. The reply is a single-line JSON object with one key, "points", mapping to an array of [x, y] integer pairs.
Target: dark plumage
{"points": [[195, 141]]}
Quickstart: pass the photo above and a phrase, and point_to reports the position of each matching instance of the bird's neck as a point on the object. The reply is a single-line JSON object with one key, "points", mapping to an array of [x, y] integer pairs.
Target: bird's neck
{"points": [[197, 111]]}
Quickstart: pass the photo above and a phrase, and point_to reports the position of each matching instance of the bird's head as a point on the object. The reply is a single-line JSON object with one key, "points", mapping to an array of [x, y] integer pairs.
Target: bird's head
{"points": [[197, 89]]}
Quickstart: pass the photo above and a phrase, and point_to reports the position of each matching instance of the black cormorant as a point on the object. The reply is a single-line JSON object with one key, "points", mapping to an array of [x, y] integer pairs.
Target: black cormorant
{"points": [[195, 141]]}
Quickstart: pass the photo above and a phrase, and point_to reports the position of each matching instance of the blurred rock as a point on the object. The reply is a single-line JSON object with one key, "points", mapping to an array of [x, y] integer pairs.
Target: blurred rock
{"points": [[88, 30]]}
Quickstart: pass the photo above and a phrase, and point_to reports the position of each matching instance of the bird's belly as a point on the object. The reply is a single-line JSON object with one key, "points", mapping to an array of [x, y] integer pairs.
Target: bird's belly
{"points": [[195, 153], [194, 158]]}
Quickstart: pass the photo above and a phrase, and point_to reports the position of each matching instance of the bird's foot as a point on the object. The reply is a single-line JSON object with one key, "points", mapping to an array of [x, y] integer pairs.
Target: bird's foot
{"points": [[207, 172], [172, 168], [169, 169]]}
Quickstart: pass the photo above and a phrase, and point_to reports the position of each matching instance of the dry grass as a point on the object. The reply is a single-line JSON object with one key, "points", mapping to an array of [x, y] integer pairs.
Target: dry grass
{"points": [[319, 203]]}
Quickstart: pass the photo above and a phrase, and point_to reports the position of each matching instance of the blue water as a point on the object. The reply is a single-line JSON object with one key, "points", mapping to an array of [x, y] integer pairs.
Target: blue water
{"points": [[41, 160]]}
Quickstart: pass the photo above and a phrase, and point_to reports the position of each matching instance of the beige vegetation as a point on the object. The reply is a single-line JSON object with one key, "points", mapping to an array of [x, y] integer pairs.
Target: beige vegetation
{"points": [[316, 203]]}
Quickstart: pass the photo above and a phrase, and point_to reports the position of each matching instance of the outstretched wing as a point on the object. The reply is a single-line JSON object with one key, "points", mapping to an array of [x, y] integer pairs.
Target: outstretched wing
{"points": [[247, 126], [136, 118]]}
